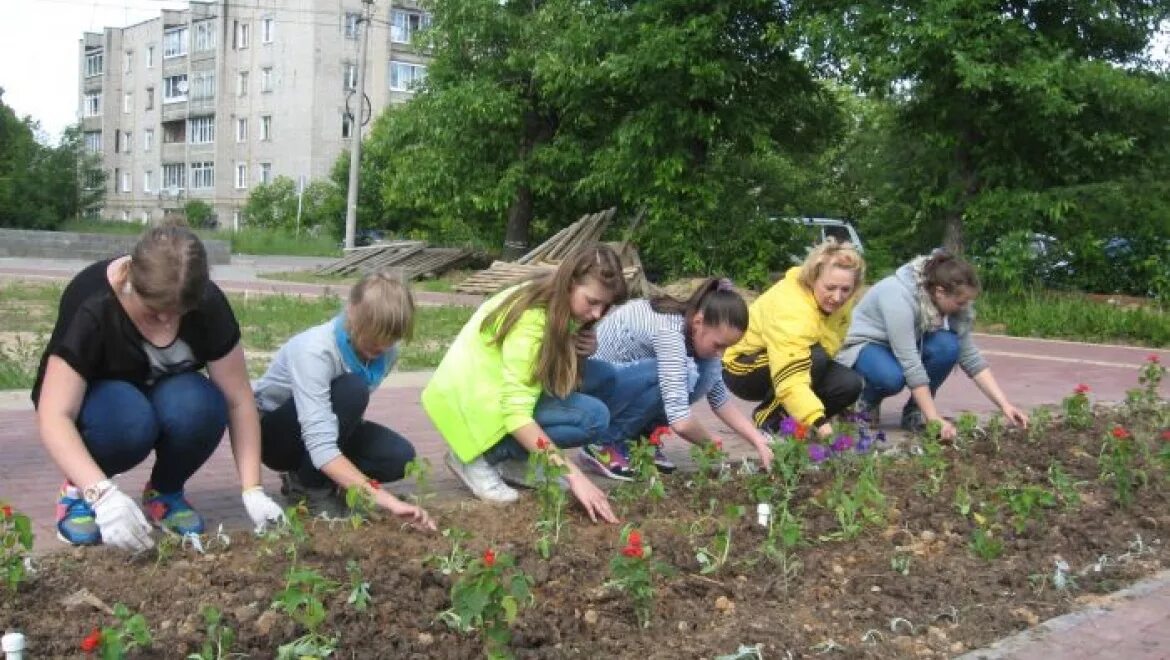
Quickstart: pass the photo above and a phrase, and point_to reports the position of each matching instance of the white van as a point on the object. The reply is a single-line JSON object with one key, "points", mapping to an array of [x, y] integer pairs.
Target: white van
{"points": [[818, 229]]}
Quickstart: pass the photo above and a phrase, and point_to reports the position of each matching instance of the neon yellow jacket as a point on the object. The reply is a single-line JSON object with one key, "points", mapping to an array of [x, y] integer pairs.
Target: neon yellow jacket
{"points": [[783, 325], [480, 392]]}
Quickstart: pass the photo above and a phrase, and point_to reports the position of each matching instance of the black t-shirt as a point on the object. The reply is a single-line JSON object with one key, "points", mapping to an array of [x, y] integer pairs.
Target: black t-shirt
{"points": [[96, 337]]}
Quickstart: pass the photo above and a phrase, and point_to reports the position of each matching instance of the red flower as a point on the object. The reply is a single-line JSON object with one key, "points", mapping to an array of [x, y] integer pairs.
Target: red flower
{"points": [[375, 484], [1120, 433], [92, 641], [718, 444], [1153, 358], [634, 538], [1166, 435], [1081, 389], [542, 443], [6, 511], [489, 558], [801, 431], [633, 551], [657, 435]]}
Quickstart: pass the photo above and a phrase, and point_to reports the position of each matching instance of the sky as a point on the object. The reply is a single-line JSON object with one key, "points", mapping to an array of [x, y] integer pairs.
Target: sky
{"points": [[38, 51]]}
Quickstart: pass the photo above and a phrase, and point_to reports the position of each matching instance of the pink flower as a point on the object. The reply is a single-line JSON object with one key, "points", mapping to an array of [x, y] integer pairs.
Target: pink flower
{"points": [[1081, 389]]}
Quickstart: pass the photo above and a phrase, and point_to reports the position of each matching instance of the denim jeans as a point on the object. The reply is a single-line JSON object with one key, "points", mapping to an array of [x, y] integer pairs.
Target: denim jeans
{"points": [[181, 418], [883, 374], [377, 451], [640, 399]]}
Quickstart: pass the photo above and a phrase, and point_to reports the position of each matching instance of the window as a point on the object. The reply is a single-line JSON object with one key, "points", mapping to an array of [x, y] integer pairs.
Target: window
{"points": [[150, 57], [346, 125], [150, 98], [200, 130], [127, 61], [93, 142], [125, 216], [93, 105], [145, 217], [403, 24], [243, 35], [348, 76], [147, 139], [204, 35], [147, 180], [242, 83], [265, 173], [174, 42], [203, 174], [94, 63], [175, 88], [174, 132], [266, 29], [124, 183], [127, 142], [174, 176], [266, 79], [351, 25], [202, 85], [241, 176], [404, 76], [127, 102], [266, 127], [241, 129]]}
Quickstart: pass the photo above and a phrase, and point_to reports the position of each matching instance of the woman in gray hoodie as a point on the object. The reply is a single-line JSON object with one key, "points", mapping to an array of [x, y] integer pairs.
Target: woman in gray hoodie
{"points": [[910, 330]]}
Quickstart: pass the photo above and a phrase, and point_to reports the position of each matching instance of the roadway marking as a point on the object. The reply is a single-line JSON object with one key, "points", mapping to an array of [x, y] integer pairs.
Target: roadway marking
{"points": [[1053, 358]]}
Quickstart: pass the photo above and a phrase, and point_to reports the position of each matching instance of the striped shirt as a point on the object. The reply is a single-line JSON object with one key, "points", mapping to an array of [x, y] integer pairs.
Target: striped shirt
{"points": [[634, 331]]}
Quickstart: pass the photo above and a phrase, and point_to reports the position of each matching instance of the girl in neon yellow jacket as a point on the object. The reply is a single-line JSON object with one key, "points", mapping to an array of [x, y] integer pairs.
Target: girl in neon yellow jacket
{"points": [[785, 359], [516, 375]]}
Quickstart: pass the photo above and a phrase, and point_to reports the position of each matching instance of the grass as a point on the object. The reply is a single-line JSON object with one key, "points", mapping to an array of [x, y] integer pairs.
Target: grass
{"points": [[28, 311], [1072, 316], [246, 241]]}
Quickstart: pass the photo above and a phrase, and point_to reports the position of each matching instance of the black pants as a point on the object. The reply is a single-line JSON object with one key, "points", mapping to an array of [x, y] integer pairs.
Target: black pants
{"points": [[836, 385], [377, 451]]}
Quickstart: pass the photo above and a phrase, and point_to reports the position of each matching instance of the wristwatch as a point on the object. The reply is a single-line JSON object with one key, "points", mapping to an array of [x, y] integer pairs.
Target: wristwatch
{"points": [[94, 492]]}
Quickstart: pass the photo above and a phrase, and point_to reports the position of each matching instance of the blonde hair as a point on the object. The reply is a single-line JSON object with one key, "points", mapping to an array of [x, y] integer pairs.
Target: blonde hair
{"points": [[168, 268], [556, 366], [381, 309], [831, 254]]}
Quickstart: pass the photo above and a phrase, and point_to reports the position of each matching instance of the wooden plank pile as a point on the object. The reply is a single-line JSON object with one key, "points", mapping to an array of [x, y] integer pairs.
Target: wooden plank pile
{"points": [[548, 255], [412, 258]]}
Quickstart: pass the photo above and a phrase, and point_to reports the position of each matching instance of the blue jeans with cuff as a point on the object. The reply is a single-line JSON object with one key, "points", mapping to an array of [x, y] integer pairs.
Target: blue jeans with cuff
{"points": [[883, 374]]}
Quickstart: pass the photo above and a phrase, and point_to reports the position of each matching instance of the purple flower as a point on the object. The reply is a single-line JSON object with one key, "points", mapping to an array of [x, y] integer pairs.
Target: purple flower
{"points": [[864, 444], [817, 453], [788, 426], [842, 443]]}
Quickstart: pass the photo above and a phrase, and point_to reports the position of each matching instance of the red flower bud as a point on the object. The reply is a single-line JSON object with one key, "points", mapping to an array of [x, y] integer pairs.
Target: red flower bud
{"points": [[489, 558], [1120, 433], [634, 538], [542, 443], [1081, 389], [6, 511], [633, 551], [1153, 358], [92, 641], [801, 431], [657, 435], [1166, 435]]}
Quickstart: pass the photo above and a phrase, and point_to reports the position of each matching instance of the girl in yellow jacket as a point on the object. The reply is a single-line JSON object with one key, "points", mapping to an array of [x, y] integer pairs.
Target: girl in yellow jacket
{"points": [[516, 375], [785, 359]]}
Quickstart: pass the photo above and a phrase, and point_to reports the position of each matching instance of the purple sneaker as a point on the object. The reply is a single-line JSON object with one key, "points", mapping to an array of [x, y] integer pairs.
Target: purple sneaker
{"points": [[608, 460]]}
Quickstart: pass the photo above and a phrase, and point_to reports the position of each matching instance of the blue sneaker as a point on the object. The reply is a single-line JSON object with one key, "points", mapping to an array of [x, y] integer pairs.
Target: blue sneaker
{"points": [[171, 512], [76, 524], [608, 460]]}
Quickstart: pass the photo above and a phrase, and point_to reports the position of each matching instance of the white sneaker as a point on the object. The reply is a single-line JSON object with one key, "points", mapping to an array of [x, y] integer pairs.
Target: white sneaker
{"points": [[482, 479], [514, 472]]}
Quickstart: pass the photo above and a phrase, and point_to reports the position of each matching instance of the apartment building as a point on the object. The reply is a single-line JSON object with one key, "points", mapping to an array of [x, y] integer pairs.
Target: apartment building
{"points": [[210, 101]]}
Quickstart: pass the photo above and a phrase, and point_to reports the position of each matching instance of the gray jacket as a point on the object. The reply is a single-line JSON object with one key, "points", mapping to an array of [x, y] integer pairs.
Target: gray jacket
{"points": [[888, 314], [304, 369]]}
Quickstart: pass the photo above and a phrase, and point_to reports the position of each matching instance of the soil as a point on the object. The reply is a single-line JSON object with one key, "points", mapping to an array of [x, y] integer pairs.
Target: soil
{"points": [[846, 594]]}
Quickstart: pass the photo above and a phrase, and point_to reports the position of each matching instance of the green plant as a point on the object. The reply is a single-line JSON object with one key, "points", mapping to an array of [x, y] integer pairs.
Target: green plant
{"points": [[1026, 503], [1039, 423], [220, 637], [1078, 413], [984, 543], [632, 571], [1118, 462], [1146, 399], [962, 499], [933, 462], [995, 430], [489, 596], [361, 502], [292, 529], [645, 471], [457, 559], [967, 426], [16, 542], [1064, 486], [546, 470], [130, 633], [709, 459], [301, 599], [359, 589], [714, 557], [900, 564], [419, 469]]}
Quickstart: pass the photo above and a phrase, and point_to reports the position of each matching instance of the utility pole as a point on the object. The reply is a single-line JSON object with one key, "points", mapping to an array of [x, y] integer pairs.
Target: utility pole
{"points": [[355, 152]]}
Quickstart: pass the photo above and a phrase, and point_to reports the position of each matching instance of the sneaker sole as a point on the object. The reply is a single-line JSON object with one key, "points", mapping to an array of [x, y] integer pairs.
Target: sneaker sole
{"points": [[459, 474], [586, 460], [61, 538]]}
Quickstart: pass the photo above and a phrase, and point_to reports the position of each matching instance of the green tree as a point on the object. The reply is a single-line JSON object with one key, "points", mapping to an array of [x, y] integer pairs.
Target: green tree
{"points": [[198, 213], [274, 205]]}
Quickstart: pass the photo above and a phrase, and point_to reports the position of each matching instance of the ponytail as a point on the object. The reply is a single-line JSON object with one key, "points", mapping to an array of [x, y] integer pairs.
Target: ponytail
{"points": [[716, 298]]}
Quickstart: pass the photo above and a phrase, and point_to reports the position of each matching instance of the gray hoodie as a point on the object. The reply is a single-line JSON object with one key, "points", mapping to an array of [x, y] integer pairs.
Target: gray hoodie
{"points": [[888, 314]]}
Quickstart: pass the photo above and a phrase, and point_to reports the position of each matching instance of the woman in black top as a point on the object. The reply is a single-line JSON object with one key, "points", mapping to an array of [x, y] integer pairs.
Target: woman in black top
{"points": [[121, 378]]}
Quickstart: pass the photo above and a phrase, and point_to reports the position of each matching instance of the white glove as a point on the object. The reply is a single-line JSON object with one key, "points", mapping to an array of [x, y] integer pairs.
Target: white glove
{"points": [[121, 522], [261, 509]]}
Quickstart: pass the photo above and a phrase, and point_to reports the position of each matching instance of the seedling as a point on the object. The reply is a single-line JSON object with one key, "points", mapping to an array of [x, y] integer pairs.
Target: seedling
{"points": [[130, 633], [995, 430], [220, 638], [1062, 483], [546, 470], [645, 472], [489, 596], [632, 571], [361, 502], [301, 599], [900, 563], [419, 468], [710, 459], [713, 558], [359, 589], [16, 542], [1039, 422], [455, 561], [983, 543], [1026, 503], [1117, 462], [967, 426], [933, 462], [962, 500], [1078, 413]]}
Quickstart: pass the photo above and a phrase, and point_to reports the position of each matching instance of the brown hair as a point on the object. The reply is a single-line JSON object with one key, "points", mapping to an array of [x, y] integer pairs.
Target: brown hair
{"points": [[720, 304], [832, 254], [381, 309], [556, 365], [168, 268], [949, 272]]}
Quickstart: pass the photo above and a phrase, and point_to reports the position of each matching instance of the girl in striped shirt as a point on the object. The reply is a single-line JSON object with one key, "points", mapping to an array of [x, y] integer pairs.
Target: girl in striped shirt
{"points": [[676, 347]]}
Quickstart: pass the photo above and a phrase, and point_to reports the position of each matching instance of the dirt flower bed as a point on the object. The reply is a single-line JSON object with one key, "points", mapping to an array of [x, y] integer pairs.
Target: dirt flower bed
{"points": [[862, 550]]}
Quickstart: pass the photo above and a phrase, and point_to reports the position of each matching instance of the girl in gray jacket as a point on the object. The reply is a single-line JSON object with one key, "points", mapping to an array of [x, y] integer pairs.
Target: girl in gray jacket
{"points": [[910, 330]]}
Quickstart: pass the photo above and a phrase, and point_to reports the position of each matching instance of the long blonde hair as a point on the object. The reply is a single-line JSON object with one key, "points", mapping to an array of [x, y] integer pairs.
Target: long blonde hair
{"points": [[831, 254], [556, 366]]}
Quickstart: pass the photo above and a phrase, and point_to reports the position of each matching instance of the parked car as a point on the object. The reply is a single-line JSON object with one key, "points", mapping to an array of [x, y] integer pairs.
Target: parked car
{"points": [[816, 230]]}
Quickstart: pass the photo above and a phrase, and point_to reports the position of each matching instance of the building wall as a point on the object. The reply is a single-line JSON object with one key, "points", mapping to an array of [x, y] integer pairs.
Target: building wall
{"points": [[294, 81]]}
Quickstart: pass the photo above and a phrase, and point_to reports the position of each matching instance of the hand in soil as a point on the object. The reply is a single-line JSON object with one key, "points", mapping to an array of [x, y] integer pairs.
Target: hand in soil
{"points": [[765, 454], [261, 509], [1015, 416], [416, 516], [948, 431], [595, 501], [121, 522]]}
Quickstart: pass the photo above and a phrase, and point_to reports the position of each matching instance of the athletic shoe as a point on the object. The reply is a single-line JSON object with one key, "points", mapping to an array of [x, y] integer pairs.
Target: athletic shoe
{"points": [[514, 472], [912, 419], [76, 524], [482, 479], [607, 460], [664, 464], [171, 512], [319, 501], [872, 412]]}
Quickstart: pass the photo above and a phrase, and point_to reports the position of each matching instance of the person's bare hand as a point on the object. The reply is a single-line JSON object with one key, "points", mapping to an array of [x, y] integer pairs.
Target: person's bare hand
{"points": [[415, 516], [595, 501], [585, 342]]}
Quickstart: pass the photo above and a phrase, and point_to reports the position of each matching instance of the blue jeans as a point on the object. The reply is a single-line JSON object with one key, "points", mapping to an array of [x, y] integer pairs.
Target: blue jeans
{"points": [[180, 418], [883, 374], [570, 422], [636, 402]]}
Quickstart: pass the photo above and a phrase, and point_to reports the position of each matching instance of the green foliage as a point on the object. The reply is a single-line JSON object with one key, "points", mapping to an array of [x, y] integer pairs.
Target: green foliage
{"points": [[199, 213], [546, 472], [1025, 502], [632, 571], [1119, 463], [488, 597], [1078, 414], [301, 599], [710, 459], [274, 206], [457, 559], [1074, 316], [16, 541], [419, 469], [359, 589], [220, 637], [130, 633], [1064, 486]]}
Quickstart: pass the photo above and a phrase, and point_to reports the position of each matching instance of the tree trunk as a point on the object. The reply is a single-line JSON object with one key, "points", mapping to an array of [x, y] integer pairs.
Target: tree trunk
{"points": [[519, 224], [967, 179]]}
